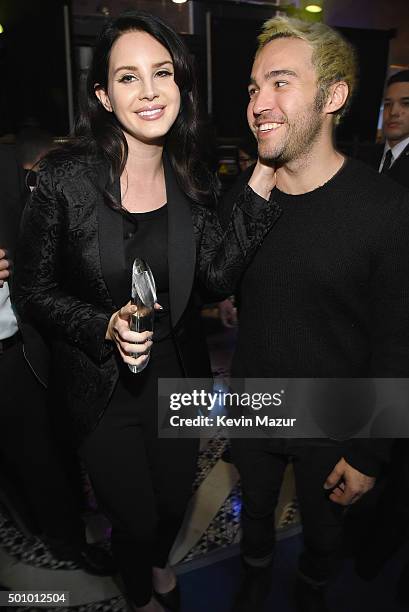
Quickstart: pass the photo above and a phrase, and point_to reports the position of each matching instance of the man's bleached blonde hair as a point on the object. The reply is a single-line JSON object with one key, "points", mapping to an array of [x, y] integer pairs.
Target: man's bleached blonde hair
{"points": [[332, 56]]}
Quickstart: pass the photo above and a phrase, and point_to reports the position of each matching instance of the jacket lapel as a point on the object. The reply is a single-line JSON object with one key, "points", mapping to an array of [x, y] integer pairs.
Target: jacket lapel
{"points": [[181, 245], [402, 158], [111, 246]]}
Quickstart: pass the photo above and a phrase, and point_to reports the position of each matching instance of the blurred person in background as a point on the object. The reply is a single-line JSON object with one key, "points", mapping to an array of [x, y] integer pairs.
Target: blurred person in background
{"points": [[30, 467], [392, 157], [246, 159], [388, 528], [246, 153], [32, 144]]}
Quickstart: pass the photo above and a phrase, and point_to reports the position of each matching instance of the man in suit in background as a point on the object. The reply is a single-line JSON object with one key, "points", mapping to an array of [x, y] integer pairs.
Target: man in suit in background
{"points": [[390, 525], [29, 458], [392, 158]]}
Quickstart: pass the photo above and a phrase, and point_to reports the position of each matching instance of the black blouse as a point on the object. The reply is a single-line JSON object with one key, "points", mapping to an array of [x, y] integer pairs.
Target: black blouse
{"points": [[146, 236]]}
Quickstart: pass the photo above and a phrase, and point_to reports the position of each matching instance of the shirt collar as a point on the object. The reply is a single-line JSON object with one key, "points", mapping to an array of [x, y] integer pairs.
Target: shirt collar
{"points": [[397, 149]]}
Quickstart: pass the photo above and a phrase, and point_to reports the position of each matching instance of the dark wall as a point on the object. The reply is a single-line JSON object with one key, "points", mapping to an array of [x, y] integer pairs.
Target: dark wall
{"points": [[33, 70], [372, 47], [233, 48], [32, 65]]}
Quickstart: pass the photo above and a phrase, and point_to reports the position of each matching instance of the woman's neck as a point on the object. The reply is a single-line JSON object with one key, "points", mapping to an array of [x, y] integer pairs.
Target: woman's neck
{"points": [[142, 181], [144, 160]]}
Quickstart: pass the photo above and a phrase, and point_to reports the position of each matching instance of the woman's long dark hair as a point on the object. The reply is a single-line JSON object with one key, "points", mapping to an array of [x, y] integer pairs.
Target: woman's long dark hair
{"points": [[98, 131]]}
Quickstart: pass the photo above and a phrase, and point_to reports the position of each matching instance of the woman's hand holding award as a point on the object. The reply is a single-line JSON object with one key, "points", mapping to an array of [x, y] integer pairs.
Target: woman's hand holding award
{"points": [[144, 298]]}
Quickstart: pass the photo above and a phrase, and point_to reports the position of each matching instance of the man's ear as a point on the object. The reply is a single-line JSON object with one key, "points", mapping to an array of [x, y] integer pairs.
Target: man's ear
{"points": [[337, 97], [103, 97]]}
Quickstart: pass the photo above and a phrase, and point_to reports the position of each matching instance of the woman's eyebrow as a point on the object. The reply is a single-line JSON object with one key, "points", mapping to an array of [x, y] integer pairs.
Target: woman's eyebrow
{"points": [[135, 68]]}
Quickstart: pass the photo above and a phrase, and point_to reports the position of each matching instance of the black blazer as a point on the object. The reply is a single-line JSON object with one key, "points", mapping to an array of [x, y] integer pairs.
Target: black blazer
{"points": [[66, 283], [399, 170]]}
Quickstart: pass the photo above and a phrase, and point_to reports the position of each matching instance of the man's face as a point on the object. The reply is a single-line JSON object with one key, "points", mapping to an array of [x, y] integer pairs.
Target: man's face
{"points": [[396, 113], [283, 111]]}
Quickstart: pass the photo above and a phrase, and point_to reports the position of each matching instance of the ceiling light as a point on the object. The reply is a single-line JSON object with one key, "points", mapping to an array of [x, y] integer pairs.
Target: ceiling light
{"points": [[313, 8], [1, 29], [179, 1]]}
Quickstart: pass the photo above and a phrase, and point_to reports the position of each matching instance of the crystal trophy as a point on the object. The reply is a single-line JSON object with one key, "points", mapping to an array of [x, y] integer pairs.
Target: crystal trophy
{"points": [[144, 298]]}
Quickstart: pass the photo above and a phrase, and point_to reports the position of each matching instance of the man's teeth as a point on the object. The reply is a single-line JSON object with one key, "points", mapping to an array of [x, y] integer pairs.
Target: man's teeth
{"points": [[150, 113], [268, 126]]}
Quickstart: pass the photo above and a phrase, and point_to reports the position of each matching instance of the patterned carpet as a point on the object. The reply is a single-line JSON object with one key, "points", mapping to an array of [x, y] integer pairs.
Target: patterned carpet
{"points": [[223, 529]]}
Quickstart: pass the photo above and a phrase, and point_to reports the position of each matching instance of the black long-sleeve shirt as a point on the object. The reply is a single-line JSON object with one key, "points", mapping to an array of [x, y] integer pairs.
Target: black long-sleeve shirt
{"points": [[327, 293]]}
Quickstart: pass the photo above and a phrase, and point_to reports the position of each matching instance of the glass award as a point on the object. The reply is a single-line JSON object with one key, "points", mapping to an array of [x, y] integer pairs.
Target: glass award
{"points": [[144, 298]]}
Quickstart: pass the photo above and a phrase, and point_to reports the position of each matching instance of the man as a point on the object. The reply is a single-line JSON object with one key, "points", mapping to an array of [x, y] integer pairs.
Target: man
{"points": [[29, 460], [326, 295], [392, 158]]}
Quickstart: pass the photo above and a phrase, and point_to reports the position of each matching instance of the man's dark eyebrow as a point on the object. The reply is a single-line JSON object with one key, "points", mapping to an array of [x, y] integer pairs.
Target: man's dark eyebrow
{"points": [[274, 73], [402, 99], [135, 68]]}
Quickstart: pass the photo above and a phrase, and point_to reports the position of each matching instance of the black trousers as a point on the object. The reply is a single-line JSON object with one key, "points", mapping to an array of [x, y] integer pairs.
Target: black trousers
{"points": [[29, 457], [261, 464], [142, 483]]}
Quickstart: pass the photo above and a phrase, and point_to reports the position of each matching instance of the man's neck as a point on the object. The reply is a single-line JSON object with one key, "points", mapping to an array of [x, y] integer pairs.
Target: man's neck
{"points": [[310, 171]]}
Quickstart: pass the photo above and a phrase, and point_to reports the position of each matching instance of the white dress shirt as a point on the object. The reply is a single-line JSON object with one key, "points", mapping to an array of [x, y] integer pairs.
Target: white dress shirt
{"points": [[396, 151], [8, 321]]}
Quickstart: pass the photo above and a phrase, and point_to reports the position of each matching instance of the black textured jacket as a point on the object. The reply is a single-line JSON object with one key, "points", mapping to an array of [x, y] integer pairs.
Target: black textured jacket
{"points": [[70, 249]]}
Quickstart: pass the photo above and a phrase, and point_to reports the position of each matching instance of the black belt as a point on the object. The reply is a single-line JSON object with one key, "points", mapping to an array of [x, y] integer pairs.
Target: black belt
{"points": [[9, 342]]}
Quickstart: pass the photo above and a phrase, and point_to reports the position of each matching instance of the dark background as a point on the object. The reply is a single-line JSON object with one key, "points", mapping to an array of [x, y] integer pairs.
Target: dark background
{"points": [[33, 66], [234, 45]]}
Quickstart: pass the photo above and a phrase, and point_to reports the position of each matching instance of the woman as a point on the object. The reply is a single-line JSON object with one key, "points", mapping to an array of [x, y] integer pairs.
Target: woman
{"points": [[131, 186]]}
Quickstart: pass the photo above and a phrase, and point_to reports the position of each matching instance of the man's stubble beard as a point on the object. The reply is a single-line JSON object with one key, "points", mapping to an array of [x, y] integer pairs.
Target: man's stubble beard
{"points": [[300, 138]]}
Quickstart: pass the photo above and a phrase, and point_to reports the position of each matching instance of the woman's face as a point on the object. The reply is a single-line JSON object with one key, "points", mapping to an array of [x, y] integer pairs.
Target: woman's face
{"points": [[141, 88]]}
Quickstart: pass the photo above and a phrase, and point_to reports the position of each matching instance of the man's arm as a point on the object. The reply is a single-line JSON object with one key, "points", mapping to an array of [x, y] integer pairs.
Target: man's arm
{"points": [[355, 474]]}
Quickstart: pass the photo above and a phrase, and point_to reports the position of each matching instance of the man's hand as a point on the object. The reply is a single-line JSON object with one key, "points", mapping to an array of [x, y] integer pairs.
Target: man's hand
{"points": [[4, 267], [263, 179], [348, 484]]}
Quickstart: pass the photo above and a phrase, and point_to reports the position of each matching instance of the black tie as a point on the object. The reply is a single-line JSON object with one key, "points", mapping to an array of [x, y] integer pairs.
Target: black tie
{"points": [[387, 161]]}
